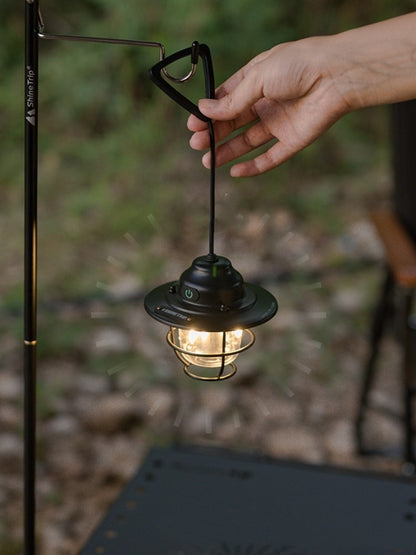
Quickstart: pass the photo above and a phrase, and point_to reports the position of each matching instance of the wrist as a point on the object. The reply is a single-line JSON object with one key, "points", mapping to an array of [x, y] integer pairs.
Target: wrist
{"points": [[375, 64], [322, 53]]}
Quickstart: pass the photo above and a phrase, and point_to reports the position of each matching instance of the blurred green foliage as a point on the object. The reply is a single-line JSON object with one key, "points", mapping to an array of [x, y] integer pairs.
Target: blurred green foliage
{"points": [[114, 157], [114, 149]]}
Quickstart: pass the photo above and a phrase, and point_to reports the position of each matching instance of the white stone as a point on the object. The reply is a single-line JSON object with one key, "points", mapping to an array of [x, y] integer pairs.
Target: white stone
{"points": [[109, 414], [339, 439], [11, 386], [293, 443], [111, 340]]}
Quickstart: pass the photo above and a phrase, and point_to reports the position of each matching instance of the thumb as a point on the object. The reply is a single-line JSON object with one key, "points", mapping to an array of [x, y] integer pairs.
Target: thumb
{"points": [[236, 101]]}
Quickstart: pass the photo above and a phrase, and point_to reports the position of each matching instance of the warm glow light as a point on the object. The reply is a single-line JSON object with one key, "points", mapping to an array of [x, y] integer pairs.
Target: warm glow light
{"points": [[210, 311], [198, 346]]}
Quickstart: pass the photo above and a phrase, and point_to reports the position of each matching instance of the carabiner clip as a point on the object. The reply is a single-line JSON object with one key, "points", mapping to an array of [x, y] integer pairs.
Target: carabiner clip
{"points": [[192, 71]]}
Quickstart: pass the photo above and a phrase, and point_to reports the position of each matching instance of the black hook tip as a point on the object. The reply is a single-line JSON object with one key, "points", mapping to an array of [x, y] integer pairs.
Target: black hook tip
{"points": [[195, 52]]}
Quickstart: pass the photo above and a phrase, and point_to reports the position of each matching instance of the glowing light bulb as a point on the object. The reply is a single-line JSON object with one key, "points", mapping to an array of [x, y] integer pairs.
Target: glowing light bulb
{"points": [[208, 349]]}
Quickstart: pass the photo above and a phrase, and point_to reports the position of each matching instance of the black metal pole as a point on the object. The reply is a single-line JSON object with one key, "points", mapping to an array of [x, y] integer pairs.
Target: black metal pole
{"points": [[30, 269]]}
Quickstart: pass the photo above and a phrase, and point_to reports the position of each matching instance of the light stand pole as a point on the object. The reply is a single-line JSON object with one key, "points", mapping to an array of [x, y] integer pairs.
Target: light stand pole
{"points": [[30, 269]]}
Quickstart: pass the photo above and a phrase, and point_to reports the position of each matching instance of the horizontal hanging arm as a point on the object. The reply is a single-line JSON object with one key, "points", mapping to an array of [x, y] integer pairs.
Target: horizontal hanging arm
{"points": [[125, 42]]}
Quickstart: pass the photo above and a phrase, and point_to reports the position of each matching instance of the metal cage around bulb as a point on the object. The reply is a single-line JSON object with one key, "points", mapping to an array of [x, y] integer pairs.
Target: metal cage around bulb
{"points": [[209, 355], [210, 311]]}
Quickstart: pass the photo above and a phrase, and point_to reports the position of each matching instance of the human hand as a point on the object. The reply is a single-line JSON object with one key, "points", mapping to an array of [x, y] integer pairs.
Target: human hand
{"points": [[286, 93]]}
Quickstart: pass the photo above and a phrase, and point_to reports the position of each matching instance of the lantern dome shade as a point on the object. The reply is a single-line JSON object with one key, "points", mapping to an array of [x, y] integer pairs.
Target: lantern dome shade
{"points": [[211, 296]]}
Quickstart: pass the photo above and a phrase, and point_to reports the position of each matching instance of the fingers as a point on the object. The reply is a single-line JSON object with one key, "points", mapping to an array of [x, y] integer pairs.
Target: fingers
{"points": [[233, 102], [257, 135], [200, 139], [222, 129], [237, 101], [195, 124], [234, 108], [265, 162], [270, 159], [239, 93]]}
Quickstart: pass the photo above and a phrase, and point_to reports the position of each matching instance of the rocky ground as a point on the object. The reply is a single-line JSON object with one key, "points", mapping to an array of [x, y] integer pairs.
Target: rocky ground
{"points": [[294, 396]]}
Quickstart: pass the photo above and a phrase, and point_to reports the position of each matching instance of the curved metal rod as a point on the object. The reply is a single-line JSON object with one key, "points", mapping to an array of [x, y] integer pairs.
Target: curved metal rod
{"points": [[153, 44]]}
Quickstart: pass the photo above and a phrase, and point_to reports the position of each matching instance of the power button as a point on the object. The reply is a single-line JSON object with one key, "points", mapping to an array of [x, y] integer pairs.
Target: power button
{"points": [[190, 294]]}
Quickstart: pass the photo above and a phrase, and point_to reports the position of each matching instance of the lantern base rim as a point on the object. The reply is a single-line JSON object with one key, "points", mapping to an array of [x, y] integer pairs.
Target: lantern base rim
{"points": [[219, 377]]}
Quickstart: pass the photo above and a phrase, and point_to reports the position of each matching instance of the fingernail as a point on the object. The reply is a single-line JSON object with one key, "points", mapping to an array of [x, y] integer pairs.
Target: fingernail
{"points": [[193, 142], [235, 171], [206, 160]]}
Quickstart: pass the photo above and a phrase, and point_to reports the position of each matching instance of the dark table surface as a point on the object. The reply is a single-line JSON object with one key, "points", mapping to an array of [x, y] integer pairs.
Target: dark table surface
{"points": [[197, 501]]}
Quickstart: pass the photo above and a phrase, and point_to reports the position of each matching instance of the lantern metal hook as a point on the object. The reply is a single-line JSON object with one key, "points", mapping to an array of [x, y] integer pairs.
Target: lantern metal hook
{"points": [[106, 40]]}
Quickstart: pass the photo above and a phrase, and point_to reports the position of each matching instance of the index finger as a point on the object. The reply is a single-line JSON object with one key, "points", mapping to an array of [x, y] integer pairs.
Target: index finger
{"points": [[194, 123]]}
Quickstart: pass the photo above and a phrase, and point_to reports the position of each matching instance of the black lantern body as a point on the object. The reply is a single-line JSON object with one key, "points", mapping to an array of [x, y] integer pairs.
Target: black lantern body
{"points": [[210, 311]]}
